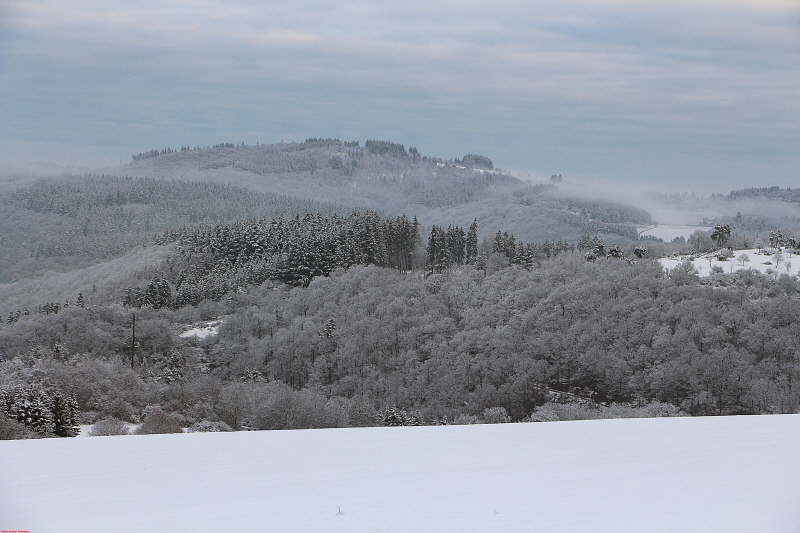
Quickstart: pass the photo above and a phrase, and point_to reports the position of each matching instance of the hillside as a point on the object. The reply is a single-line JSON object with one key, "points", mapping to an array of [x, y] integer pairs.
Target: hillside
{"points": [[390, 178], [69, 222], [564, 338], [723, 474], [74, 221]]}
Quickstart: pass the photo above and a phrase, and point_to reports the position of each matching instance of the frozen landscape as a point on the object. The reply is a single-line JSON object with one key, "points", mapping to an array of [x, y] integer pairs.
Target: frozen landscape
{"points": [[763, 261], [400, 267], [704, 474], [668, 232]]}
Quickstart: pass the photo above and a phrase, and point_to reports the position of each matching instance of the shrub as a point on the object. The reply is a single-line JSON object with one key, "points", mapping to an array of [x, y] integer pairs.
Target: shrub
{"points": [[108, 427], [658, 409], [11, 429], [207, 426], [280, 407], [551, 412], [114, 406], [397, 417], [464, 420], [235, 403], [361, 413], [496, 415], [157, 421]]}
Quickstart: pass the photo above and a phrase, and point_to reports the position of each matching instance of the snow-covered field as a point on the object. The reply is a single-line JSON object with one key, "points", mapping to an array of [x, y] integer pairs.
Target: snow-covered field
{"points": [[668, 232], [755, 260], [725, 474]]}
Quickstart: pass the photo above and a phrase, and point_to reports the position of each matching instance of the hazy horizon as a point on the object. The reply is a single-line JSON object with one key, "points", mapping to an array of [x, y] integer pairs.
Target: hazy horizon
{"points": [[701, 96]]}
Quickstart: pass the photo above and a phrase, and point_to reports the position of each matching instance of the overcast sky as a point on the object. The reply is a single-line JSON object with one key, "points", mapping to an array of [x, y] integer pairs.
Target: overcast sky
{"points": [[698, 95]]}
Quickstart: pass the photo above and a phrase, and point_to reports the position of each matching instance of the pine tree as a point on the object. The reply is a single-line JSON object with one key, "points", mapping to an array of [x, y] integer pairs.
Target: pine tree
{"points": [[438, 255], [455, 242], [29, 405], [64, 411], [471, 246]]}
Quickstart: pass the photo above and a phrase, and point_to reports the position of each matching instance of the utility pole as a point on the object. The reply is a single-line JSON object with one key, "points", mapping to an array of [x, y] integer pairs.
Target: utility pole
{"points": [[133, 342]]}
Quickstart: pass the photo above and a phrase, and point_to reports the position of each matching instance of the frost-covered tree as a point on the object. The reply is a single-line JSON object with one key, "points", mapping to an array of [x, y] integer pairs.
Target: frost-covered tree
{"points": [[721, 234], [477, 161], [395, 416], [64, 411], [157, 421], [438, 253], [471, 246], [109, 427], [29, 405], [615, 252]]}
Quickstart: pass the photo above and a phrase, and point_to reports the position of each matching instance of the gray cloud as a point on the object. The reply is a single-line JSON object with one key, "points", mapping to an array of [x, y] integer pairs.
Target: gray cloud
{"points": [[696, 94]]}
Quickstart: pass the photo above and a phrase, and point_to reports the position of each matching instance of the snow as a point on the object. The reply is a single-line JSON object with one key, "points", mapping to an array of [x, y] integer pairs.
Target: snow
{"points": [[724, 474], [86, 428], [760, 261], [203, 331], [668, 232]]}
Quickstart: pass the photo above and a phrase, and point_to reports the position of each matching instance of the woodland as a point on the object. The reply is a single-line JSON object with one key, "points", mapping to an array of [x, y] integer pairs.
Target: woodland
{"points": [[331, 314]]}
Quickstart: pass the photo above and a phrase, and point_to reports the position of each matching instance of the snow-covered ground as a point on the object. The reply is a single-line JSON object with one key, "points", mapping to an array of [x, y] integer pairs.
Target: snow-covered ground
{"points": [[668, 232], [755, 260], [725, 474], [204, 330], [86, 428]]}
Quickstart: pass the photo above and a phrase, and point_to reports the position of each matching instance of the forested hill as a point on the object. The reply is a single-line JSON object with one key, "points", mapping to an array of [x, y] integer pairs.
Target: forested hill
{"points": [[393, 179], [72, 221], [377, 175], [774, 193]]}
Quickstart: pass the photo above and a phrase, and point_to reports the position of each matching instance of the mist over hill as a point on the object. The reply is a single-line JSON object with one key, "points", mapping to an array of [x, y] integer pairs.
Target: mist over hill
{"points": [[75, 220], [393, 179]]}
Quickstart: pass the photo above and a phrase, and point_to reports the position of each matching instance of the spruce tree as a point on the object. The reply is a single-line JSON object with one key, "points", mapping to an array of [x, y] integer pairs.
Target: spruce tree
{"points": [[471, 246]]}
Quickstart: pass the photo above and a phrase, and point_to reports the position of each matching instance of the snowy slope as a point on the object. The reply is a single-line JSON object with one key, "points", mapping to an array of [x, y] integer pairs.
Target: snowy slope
{"points": [[762, 262], [726, 474], [203, 331]]}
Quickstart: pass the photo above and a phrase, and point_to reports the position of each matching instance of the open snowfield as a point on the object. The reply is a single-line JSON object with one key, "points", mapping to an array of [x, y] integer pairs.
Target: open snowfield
{"points": [[668, 232], [761, 262], [725, 474]]}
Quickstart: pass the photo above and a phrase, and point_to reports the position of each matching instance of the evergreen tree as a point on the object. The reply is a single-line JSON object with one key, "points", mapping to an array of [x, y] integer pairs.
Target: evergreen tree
{"points": [[438, 254], [721, 234], [471, 245], [30, 405], [158, 294], [455, 242], [64, 411], [615, 252]]}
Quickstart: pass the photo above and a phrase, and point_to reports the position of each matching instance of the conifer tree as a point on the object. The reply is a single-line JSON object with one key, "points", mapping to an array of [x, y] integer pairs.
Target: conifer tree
{"points": [[64, 414], [471, 245]]}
